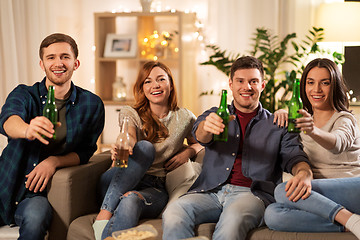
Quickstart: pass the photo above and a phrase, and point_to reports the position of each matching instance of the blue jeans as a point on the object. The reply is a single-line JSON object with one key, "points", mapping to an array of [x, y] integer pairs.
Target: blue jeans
{"points": [[235, 209], [131, 194], [33, 216], [318, 211]]}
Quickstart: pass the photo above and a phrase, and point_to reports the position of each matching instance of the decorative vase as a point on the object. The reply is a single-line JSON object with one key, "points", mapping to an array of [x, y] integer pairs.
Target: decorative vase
{"points": [[119, 90], [146, 5]]}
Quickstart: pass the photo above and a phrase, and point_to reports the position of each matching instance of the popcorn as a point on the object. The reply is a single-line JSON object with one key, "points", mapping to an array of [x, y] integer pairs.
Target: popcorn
{"points": [[135, 235]]}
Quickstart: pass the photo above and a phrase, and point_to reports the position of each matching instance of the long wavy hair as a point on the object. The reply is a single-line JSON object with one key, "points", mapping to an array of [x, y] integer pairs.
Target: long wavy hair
{"points": [[153, 129], [338, 89]]}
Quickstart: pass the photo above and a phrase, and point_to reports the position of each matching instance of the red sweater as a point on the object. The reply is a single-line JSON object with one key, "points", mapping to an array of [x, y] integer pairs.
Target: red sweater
{"points": [[236, 176]]}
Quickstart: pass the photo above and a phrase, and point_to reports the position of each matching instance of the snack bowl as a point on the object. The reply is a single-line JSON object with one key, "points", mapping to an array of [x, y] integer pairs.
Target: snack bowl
{"points": [[141, 232]]}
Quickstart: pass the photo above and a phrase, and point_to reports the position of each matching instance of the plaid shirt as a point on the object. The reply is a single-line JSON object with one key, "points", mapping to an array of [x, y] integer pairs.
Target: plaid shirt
{"points": [[85, 117]]}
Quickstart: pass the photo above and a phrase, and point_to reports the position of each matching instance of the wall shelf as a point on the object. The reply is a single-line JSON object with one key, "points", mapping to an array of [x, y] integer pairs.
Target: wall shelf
{"points": [[182, 63]]}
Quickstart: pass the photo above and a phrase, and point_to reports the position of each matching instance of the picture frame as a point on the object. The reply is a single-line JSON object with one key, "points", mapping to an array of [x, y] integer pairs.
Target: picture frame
{"points": [[120, 45]]}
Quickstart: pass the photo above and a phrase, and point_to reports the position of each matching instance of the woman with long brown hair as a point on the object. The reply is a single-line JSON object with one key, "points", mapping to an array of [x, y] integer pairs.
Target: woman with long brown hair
{"points": [[331, 139], [157, 129]]}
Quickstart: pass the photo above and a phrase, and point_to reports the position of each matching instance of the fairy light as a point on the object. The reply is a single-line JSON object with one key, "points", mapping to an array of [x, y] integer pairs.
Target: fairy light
{"points": [[157, 45], [166, 34]]}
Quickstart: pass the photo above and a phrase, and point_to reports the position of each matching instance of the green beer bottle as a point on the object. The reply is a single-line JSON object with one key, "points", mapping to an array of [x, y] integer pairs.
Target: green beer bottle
{"points": [[50, 110], [224, 113], [295, 105]]}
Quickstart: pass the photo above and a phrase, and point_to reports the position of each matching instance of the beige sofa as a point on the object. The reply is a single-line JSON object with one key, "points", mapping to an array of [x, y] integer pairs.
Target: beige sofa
{"points": [[73, 196]]}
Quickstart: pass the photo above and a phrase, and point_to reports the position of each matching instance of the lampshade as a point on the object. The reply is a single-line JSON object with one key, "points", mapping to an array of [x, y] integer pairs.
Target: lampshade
{"points": [[340, 20]]}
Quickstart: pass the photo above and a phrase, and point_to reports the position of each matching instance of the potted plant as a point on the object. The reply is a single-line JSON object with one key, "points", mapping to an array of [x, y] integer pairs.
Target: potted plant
{"points": [[276, 55]]}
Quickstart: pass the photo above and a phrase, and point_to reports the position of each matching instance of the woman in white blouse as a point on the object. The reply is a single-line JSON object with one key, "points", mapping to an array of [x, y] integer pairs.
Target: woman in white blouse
{"points": [[330, 136]]}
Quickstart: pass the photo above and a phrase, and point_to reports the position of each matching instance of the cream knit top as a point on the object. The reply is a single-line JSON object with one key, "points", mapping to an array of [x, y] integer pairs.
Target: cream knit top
{"points": [[342, 161], [179, 124]]}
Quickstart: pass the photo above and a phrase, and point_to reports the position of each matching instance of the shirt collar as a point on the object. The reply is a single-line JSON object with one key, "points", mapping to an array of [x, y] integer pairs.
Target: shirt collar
{"points": [[44, 91], [232, 109]]}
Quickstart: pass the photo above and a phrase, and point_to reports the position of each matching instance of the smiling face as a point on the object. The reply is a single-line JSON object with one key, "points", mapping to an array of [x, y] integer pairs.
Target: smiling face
{"points": [[59, 63], [318, 89], [246, 86], [157, 87]]}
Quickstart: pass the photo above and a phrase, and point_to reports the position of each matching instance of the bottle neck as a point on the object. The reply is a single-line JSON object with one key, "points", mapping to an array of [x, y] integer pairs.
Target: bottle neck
{"points": [[51, 95], [223, 101], [296, 89], [124, 125]]}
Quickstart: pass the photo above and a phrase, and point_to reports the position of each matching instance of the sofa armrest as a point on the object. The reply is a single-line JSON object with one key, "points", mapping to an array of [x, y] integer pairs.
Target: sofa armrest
{"points": [[72, 193]]}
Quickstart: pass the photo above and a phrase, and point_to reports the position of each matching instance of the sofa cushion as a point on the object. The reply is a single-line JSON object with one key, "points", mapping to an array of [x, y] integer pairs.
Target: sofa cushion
{"points": [[180, 180], [9, 233], [81, 229], [265, 233]]}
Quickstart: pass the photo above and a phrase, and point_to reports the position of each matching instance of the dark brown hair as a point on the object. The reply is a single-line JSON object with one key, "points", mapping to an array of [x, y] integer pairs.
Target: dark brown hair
{"points": [[246, 62], [338, 88], [57, 38], [154, 130]]}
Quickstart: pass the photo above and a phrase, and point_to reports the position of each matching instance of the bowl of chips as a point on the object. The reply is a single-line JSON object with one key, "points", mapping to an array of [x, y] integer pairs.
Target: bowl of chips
{"points": [[141, 232]]}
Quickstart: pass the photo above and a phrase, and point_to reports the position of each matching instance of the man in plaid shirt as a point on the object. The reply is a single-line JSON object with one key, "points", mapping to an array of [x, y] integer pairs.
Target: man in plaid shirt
{"points": [[31, 156]]}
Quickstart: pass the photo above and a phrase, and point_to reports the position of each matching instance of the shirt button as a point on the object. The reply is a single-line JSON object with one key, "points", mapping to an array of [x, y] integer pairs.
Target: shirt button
{"points": [[227, 169], [237, 135]]}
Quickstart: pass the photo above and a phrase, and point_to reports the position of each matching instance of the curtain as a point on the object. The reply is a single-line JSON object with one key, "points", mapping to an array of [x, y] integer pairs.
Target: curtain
{"points": [[22, 27]]}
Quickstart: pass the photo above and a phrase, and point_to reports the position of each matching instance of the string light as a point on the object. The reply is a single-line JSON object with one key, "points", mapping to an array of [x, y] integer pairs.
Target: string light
{"points": [[158, 45]]}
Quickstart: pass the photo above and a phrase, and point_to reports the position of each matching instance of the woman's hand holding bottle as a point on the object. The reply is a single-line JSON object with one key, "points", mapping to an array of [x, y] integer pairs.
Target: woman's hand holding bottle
{"points": [[122, 148]]}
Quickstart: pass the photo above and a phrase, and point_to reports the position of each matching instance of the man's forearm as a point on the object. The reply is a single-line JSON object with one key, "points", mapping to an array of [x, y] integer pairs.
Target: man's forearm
{"points": [[68, 160], [15, 127], [302, 167]]}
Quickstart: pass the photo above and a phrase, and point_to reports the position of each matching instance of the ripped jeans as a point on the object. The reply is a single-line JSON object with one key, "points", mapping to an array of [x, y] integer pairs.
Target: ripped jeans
{"points": [[130, 193]]}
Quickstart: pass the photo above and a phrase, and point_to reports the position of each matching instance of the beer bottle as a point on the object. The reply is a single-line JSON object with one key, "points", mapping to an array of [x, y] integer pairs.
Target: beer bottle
{"points": [[223, 112], [122, 144], [50, 110], [295, 105]]}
